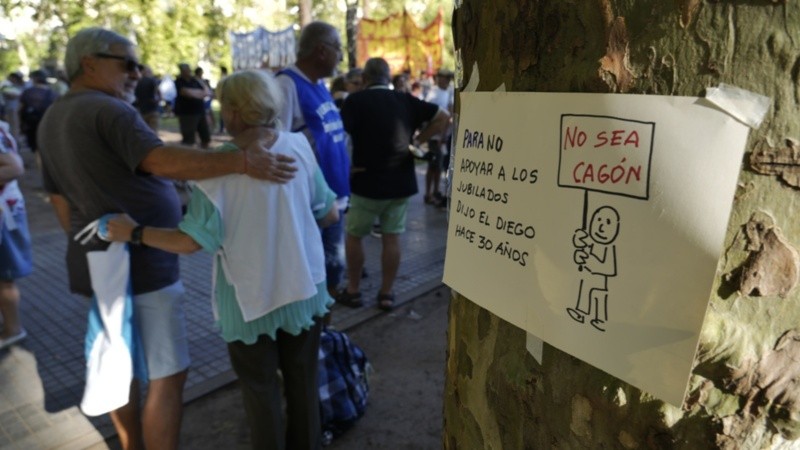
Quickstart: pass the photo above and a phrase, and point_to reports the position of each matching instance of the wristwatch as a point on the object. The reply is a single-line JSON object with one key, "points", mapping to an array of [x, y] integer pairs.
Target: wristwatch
{"points": [[136, 235]]}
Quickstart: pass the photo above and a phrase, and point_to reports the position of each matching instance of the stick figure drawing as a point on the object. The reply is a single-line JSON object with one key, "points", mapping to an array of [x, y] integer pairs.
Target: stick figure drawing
{"points": [[596, 257]]}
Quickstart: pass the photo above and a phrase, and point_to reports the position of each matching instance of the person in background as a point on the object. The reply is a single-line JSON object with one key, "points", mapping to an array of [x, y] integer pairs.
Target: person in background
{"points": [[381, 122], [190, 107], [400, 83], [198, 73], [223, 72], [309, 107], [61, 85], [148, 98], [11, 91], [15, 240], [166, 87], [416, 90], [270, 292], [116, 163], [338, 91], [425, 82], [353, 80], [33, 103], [441, 94]]}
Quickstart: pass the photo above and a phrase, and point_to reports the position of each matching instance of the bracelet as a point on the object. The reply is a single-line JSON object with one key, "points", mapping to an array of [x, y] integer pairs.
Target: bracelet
{"points": [[137, 234]]}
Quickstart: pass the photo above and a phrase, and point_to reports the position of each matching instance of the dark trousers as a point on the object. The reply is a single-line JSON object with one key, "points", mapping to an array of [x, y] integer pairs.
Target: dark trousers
{"points": [[191, 125], [257, 367]]}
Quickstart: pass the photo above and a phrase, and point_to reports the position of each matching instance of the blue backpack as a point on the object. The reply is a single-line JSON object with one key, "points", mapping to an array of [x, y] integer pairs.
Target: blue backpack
{"points": [[343, 386]]}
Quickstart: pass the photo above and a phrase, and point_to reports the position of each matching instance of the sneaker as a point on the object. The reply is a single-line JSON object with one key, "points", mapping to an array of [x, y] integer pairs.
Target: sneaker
{"points": [[11, 340]]}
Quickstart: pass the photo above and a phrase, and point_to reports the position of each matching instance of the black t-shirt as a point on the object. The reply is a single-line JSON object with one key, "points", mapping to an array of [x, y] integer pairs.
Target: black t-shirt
{"points": [[188, 105], [145, 94], [381, 124]]}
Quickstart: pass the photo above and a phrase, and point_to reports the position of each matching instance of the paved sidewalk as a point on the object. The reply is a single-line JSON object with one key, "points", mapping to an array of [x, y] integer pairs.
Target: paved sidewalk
{"points": [[41, 380]]}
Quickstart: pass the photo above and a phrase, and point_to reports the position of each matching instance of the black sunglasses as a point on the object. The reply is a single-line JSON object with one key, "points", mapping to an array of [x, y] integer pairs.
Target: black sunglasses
{"points": [[130, 64]]}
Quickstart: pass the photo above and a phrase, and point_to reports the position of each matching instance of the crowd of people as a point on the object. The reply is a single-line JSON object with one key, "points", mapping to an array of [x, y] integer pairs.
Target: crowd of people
{"points": [[283, 207]]}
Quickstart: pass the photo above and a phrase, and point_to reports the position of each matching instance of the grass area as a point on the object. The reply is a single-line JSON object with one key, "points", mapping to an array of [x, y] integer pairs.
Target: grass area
{"points": [[169, 123]]}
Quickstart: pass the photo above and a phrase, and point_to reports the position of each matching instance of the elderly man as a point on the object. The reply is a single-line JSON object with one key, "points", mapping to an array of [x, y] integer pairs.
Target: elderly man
{"points": [[381, 123], [309, 107], [101, 157]]}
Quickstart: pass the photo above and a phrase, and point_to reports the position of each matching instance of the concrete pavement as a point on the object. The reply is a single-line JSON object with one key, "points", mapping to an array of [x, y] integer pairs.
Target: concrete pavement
{"points": [[41, 380]]}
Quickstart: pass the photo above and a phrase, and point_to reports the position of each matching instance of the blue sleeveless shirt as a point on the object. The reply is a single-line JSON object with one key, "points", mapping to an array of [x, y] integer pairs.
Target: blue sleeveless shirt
{"points": [[323, 120]]}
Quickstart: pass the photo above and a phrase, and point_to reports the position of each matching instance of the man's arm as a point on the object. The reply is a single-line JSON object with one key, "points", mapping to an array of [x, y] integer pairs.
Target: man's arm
{"points": [[192, 93], [181, 163], [435, 126], [61, 208]]}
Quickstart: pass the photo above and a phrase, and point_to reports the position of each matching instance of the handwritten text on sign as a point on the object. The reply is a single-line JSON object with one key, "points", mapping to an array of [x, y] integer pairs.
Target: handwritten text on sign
{"points": [[605, 154], [496, 232]]}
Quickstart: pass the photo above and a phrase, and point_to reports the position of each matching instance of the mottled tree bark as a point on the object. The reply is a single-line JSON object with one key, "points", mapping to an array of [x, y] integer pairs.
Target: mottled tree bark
{"points": [[743, 389]]}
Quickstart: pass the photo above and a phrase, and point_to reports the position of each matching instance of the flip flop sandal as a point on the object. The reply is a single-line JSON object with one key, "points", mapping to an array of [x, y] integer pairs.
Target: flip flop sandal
{"points": [[350, 300], [385, 301]]}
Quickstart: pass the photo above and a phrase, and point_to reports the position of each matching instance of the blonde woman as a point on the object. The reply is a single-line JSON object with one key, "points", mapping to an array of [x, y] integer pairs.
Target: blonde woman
{"points": [[269, 267]]}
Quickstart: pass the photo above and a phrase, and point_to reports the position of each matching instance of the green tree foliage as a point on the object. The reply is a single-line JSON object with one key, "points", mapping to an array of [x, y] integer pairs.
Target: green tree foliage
{"points": [[171, 31], [9, 56]]}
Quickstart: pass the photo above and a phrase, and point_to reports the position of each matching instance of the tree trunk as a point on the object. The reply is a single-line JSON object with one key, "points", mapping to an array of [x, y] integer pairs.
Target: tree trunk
{"points": [[743, 392], [305, 12], [351, 29]]}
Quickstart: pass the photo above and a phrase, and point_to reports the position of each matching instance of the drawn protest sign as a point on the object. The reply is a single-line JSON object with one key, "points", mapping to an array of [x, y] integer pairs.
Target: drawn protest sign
{"points": [[520, 196], [608, 155]]}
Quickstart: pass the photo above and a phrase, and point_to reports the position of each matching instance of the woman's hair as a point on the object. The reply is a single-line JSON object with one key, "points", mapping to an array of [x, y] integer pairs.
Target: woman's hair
{"points": [[254, 94]]}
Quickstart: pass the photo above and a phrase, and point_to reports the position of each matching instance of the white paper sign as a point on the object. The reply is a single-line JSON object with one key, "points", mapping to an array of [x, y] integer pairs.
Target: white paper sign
{"points": [[595, 222]]}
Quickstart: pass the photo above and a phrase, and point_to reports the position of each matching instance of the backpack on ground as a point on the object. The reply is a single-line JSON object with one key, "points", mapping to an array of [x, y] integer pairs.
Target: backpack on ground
{"points": [[343, 386]]}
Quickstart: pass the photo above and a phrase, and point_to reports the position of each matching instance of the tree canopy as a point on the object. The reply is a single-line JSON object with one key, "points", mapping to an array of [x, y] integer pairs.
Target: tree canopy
{"points": [[171, 31]]}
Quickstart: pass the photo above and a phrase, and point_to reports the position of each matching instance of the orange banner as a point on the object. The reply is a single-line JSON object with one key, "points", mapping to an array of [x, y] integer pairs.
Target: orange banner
{"points": [[403, 44]]}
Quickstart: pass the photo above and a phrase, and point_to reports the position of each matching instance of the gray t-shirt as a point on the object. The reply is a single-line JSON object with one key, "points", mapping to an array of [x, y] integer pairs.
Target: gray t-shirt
{"points": [[91, 145]]}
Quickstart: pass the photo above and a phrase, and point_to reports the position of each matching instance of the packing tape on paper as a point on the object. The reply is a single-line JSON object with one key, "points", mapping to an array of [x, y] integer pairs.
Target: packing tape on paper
{"points": [[745, 106]]}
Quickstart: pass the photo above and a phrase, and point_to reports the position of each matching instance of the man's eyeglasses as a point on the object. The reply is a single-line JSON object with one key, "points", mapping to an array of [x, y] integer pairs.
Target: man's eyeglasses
{"points": [[337, 47], [130, 64]]}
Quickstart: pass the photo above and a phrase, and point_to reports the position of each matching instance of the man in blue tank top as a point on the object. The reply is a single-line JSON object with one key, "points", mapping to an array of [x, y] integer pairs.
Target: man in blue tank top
{"points": [[309, 108]]}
